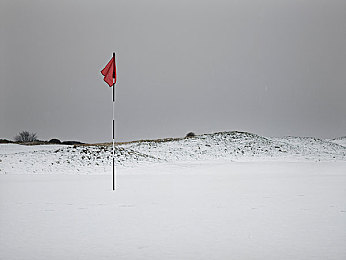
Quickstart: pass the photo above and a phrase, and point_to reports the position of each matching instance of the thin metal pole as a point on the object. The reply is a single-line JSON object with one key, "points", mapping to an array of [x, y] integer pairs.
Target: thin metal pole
{"points": [[113, 128], [113, 139]]}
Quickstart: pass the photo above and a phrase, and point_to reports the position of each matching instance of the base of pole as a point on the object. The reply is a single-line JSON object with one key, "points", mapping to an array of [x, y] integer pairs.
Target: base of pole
{"points": [[114, 169]]}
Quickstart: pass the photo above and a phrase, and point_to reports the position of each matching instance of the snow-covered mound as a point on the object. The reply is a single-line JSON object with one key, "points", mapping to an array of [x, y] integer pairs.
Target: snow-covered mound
{"points": [[339, 141], [233, 146], [241, 146], [15, 158], [313, 148]]}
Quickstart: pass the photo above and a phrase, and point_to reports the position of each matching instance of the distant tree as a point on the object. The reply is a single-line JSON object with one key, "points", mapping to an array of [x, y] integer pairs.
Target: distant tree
{"points": [[25, 136], [191, 134]]}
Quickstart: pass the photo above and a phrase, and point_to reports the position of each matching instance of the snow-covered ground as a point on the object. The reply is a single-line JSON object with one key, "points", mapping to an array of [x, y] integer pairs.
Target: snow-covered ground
{"points": [[209, 210], [340, 141], [221, 196]]}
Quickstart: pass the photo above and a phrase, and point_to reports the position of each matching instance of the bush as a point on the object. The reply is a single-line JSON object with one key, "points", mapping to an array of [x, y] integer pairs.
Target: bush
{"points": [[72, 142], [191, 134], [5, 141], [25, 137], [54, 141]]}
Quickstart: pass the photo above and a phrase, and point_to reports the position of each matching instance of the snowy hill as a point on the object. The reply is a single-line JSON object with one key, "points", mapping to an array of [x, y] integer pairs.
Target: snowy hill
{"points": [[339, 141], [16, 158], [241, 146], [233, 146]]}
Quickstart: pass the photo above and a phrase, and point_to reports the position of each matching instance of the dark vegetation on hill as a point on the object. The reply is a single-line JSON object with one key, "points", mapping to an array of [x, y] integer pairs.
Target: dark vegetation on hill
{"points": [[5, 141], [40, 142]]}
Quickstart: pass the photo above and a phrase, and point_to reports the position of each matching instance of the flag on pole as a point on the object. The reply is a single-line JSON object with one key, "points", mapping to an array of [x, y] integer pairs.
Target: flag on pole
{"points": [[109, 72]]}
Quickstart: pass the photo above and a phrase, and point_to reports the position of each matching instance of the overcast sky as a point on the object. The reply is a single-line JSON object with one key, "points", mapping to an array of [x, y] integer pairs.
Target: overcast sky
{"points": [[270, 67]]}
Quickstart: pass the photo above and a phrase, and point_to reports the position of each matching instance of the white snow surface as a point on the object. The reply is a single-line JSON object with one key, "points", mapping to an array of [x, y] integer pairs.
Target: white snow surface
{"points": [[194, 210], [220, 196]]}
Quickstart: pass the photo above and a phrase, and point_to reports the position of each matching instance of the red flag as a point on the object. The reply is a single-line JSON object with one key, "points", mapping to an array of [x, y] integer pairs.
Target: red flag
{"points": [[110, 72]]}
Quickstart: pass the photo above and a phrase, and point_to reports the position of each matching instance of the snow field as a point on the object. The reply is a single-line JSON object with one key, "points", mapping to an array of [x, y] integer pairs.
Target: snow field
{"points": [[229, 195], [190, 210]]}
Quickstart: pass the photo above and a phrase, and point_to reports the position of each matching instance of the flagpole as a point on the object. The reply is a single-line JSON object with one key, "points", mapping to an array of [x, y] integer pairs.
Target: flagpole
{"points": [[113, 128]]}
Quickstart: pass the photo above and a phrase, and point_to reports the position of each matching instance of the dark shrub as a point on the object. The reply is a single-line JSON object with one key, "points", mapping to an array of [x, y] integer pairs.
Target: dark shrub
{"points": [[54, 141], [5, 141], [72, 142], [191, 134]]}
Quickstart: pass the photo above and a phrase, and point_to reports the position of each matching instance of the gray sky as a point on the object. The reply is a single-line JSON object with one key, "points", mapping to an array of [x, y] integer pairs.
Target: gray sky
{"points": [[270, 67]]}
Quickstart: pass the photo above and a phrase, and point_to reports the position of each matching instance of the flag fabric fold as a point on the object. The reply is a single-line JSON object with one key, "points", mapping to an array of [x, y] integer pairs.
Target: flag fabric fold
{"points": [[109, 72]]}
